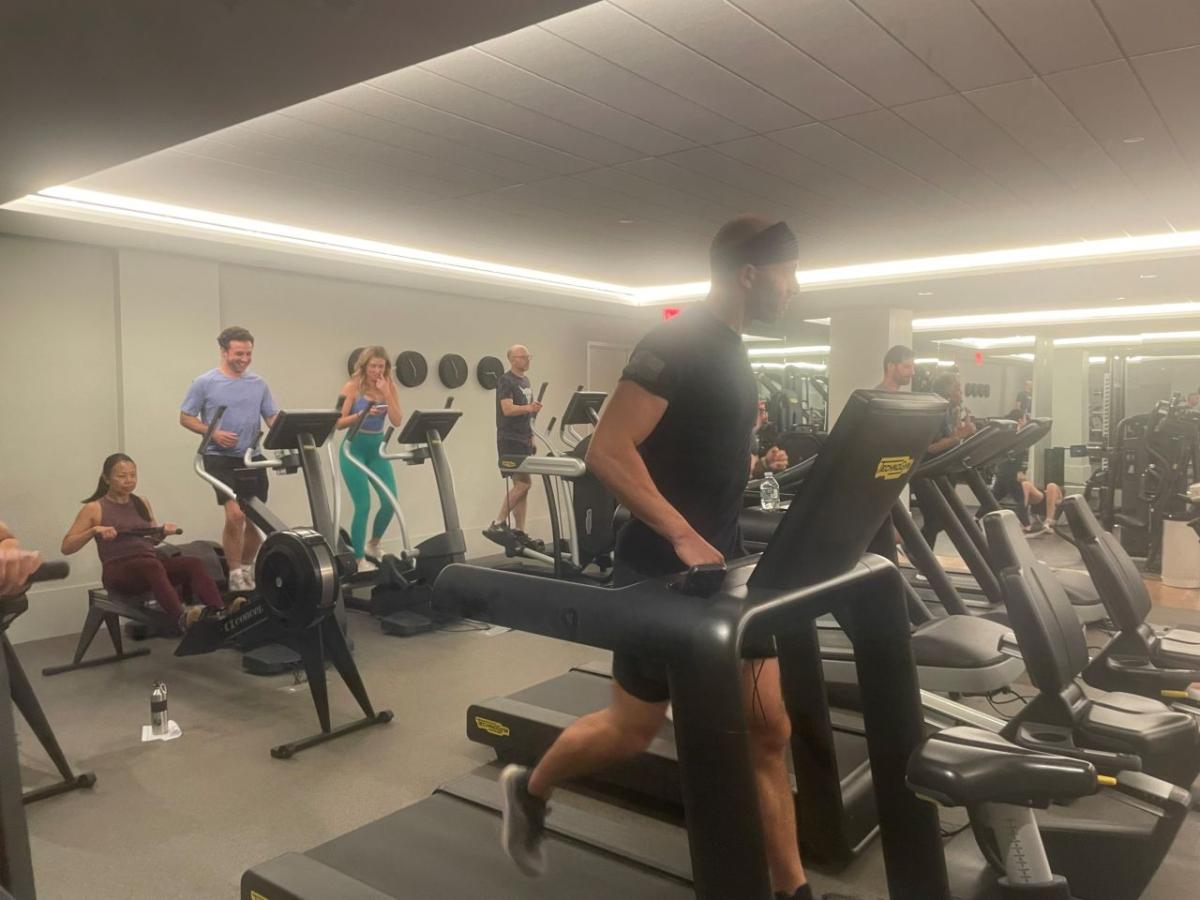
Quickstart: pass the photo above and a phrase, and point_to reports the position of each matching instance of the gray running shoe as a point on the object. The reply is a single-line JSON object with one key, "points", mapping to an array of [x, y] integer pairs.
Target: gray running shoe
{"points": [[524, 822]]}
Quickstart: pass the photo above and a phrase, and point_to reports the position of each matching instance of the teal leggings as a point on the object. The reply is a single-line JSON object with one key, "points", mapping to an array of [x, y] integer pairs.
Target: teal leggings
{"points": [[365, 448]]}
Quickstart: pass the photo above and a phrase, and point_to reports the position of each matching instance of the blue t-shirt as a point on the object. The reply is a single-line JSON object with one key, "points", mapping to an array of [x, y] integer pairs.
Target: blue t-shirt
{"points": [[247, 401]]}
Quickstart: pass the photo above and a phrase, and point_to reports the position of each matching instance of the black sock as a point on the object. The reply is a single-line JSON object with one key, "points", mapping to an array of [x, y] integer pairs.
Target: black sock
{"points": [[804, 892]]}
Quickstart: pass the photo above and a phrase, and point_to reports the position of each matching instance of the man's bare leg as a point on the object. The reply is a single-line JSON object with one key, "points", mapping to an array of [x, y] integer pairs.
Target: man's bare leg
{"points": [[770, 734], [251, 541], [614, 734], [233, 534], [514, 500]]}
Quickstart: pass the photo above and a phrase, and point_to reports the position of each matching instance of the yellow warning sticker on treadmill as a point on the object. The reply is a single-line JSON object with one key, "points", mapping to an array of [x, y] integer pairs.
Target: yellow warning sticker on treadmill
{"points": [[892, 467], [255, 895], [508, 464], [492, 727]]}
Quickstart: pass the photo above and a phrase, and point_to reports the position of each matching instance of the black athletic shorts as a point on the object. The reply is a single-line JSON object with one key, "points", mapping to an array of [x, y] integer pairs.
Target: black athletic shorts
{"points": [[230, 470], [507, 446], [646, 678]]}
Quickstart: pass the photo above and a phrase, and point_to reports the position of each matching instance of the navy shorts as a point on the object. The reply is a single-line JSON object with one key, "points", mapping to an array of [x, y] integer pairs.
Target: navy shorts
{"points": [[231, 471]]}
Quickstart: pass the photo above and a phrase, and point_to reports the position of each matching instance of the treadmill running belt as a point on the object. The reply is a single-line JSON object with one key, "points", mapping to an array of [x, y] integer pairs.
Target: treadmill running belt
{"points": [[560, 700], [444, 847]]}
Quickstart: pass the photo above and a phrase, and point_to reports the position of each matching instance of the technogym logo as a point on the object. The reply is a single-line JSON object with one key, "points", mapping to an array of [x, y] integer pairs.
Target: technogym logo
{"points": [[892, 467]]}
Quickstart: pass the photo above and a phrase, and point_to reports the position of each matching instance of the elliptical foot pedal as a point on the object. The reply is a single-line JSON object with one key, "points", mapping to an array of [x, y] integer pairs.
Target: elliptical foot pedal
{"points": [[406, 624]]}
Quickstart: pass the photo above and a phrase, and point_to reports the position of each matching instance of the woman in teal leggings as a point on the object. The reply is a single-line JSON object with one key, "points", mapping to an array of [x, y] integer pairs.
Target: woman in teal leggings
{"points": [[370, 391]]}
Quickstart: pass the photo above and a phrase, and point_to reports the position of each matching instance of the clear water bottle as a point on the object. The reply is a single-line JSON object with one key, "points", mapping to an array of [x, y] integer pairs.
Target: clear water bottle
{"points": [[158, 709], [768, 492]]}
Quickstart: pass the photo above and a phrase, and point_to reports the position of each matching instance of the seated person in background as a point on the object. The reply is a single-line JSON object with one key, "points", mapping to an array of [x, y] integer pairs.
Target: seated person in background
{"points": [[770, 456], [1036, 508], [16, 565], [125, 531]]}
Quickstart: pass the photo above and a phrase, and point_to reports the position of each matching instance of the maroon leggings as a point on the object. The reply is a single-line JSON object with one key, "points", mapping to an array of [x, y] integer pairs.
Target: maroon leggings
{"points": [[135, 574]]}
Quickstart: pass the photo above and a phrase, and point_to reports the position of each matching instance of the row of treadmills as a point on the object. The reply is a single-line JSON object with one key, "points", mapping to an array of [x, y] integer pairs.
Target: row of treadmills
{"points": [[1084, 794]]}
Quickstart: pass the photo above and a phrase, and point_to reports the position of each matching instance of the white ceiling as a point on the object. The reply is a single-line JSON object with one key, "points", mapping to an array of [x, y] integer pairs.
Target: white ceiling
{"points": [[878, 128], [87, 85]]}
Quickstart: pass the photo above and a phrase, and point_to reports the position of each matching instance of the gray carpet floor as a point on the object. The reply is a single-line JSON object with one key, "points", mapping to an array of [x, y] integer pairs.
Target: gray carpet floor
{"points": [[184, 819]]}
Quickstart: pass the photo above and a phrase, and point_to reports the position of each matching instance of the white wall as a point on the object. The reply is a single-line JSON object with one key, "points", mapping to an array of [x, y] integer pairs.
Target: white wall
{"points": [[104, 343]]}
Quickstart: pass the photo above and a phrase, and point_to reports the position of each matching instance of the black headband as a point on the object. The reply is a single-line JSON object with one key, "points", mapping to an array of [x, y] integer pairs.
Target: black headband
{"points": [[772, 245]]}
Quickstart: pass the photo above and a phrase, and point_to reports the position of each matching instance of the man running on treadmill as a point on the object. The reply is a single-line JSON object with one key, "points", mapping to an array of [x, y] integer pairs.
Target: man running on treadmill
{"points": [[673, 447], [897, 369], [515, 409], [247, 401]]}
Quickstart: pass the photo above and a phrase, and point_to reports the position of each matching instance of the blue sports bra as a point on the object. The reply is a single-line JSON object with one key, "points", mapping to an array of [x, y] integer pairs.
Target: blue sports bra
{"points": [[372, 424]]}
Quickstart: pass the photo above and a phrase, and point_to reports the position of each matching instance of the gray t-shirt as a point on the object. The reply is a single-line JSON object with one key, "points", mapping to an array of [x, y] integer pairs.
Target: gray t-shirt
{"points": [[516, 388], [247, 401]]}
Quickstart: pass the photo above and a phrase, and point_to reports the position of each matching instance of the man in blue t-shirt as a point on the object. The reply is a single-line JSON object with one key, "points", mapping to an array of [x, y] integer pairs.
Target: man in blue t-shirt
{"points": [[247, 401], [515, 409]]}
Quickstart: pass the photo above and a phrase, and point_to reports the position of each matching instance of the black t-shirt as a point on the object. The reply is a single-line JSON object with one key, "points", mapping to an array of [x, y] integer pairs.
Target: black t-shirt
{"points": [[515, 388], [699, 453], [1007, 468]]}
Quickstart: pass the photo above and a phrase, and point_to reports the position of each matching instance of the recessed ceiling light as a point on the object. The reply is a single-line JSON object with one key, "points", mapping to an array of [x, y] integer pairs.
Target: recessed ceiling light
{"points": [[1132, 140], [1147, 277], [924, 293], [625, 221]]}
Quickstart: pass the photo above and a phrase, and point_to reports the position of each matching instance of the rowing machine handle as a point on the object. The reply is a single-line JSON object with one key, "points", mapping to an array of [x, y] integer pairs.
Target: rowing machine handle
{"points": [[701, 581], [55, 570]]}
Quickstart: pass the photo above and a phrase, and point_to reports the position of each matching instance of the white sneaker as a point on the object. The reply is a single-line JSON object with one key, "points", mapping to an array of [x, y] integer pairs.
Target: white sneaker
{"points": [[248, 577], [373, 549], [237, 580], [365, 565]]}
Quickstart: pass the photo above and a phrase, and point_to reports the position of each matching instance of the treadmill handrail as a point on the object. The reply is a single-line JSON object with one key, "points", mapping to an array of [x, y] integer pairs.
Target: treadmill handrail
{"points": [[950, 459], [649, 618], [554, 466]]}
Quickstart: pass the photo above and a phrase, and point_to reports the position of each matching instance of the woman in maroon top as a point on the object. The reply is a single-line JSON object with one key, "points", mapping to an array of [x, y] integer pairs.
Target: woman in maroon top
{"points": [[125, 531]]}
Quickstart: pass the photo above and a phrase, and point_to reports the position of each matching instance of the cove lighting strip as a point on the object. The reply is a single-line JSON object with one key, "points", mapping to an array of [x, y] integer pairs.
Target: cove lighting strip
{"points": [[77, 203], [1058, 316], [816, 367], [930, 361], [109, 208], [1142, 359], [819, 350]]}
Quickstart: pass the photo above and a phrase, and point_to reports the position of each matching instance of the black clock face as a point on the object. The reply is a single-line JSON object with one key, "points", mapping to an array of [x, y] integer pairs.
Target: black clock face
{"points": [[352, 359], [452, 370], [489, 371], [411, 368]]}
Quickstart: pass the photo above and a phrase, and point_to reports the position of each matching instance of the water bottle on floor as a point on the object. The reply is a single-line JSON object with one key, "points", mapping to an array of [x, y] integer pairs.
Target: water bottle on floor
{"points": [[768, 492], [158, 709]]}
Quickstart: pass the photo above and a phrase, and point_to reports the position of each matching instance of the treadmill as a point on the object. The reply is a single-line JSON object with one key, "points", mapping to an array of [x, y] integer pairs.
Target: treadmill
{"points": [[446, 846], [979, 592]]}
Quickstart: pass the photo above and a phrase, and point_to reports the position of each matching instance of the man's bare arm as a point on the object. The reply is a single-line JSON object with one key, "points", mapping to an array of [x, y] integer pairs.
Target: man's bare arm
{"points": [[631, 415]]}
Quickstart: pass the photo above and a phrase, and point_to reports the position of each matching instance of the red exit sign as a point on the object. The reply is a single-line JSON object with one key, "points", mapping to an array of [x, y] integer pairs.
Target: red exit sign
{"points": [[670, 312]]}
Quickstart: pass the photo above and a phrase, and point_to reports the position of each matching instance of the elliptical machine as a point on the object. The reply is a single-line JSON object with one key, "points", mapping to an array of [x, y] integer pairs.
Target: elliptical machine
{"points": [[576, 500], [402, 587]]}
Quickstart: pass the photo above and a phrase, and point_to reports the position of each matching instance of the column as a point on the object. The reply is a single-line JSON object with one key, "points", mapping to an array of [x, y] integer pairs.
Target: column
{"points": [[1070, 403], [1043, 401], [858, 340]]}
